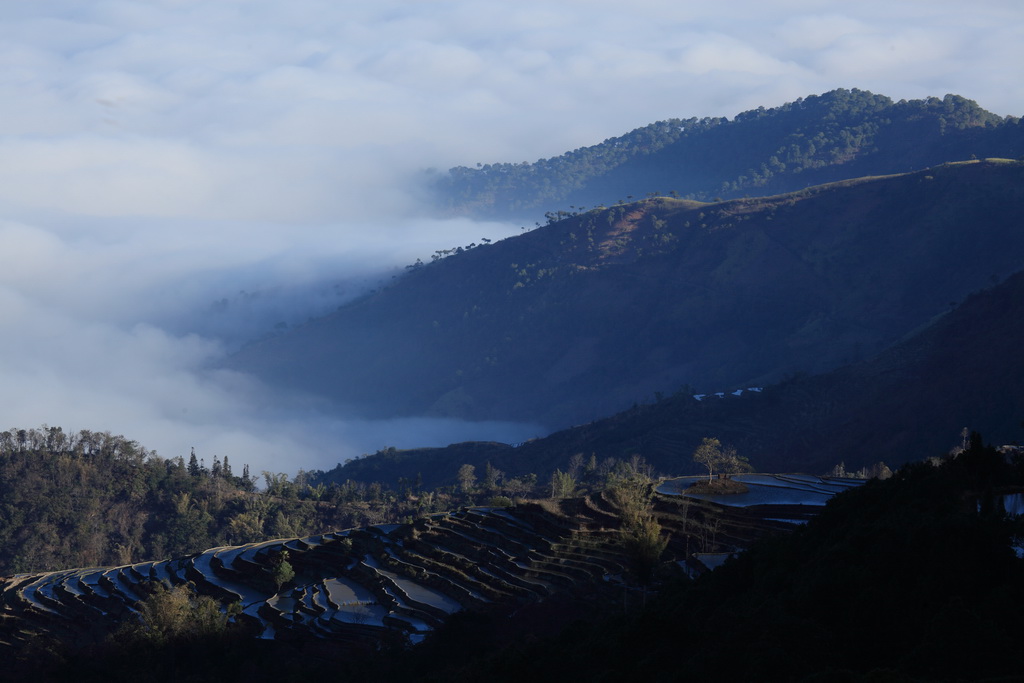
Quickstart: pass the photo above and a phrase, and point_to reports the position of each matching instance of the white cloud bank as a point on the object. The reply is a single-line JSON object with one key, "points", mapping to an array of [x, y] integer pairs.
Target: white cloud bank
{"points": [[177, 175]]}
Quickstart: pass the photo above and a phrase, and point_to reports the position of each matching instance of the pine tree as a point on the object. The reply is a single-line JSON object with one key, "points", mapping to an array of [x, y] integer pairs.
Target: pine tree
{"points": [[193, 464]]}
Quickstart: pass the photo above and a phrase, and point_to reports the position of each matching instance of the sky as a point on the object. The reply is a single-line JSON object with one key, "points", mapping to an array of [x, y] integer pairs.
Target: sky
{"points": [[179, 176]]}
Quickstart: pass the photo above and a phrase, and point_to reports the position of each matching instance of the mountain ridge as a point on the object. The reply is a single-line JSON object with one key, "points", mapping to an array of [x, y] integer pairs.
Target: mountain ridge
{"points": [[817, 139]]}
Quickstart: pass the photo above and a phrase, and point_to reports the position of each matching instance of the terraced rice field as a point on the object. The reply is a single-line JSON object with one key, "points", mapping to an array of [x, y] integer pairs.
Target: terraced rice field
{"points": [[359, 585], [350, 586]]}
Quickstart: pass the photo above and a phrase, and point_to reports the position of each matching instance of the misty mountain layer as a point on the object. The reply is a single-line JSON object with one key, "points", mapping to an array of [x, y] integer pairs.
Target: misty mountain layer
{"points": [[585, 316]]}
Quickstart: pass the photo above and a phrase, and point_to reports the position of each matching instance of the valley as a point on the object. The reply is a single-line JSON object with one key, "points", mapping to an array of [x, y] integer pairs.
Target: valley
{"points": [[835, 286]]}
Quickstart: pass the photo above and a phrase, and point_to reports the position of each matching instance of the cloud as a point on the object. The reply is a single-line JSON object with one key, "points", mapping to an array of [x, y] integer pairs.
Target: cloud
{"points": [[179, 176], [720, 53], [818, 31], [121, 329], [62, 366]]}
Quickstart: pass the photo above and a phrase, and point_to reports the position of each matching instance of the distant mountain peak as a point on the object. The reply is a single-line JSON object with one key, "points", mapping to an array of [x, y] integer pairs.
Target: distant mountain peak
{"points": [[838, 134]]}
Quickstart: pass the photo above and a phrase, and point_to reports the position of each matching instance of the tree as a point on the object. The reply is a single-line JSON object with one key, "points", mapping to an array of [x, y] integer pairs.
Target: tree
{"points": [[563, 484], [177, 613], [492, 476], [245, 527], [576, 465], [193, 464], [645, 544], [709, 454], [277, 483], [520, 486], [282, 572], [467, 478], [712, 455], [732, 463], [248, 481], [643, 539], [281, 527]]}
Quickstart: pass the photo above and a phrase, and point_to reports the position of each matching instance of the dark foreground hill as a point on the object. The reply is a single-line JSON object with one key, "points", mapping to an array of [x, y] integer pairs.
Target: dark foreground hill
{"points": [[586, 316], [911, 579], [916, 578], [907, 403], [818, 139]]}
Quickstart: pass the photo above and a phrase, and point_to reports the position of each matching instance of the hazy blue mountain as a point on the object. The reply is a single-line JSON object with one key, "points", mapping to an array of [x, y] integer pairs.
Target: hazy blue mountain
{"points": [[822, 138]]}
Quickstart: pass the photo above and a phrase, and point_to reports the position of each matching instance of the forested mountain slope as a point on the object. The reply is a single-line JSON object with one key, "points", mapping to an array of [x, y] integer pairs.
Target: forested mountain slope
{"points": [[821, 138], [583, 317], [92, 498]]}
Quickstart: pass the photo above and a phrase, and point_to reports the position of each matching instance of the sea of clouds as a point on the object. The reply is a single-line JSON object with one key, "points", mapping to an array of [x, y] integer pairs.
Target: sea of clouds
{"points": [[179, 176]]}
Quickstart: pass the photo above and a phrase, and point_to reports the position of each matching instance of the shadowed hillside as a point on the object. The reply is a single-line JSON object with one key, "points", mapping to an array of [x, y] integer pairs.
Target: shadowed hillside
{"points": [[588, 315], [910, 579], [907, 403]]}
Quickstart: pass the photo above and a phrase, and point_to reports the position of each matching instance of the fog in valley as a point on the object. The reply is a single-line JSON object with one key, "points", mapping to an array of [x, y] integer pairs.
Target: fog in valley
{"points": [[179, 177]]}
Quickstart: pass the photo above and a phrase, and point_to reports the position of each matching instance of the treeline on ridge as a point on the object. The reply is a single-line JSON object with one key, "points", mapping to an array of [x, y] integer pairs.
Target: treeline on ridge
{"points": [[95, 499]]}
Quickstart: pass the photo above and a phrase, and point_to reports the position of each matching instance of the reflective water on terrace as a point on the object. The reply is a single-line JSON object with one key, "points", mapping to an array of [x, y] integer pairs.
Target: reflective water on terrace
{"points": [[343, 591], [766, 489], [384, 582]]}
